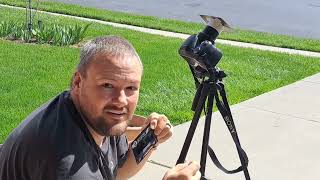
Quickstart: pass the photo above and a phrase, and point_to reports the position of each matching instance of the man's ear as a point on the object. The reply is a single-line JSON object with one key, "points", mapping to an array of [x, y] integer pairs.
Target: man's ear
{"points": [[76, 81]]}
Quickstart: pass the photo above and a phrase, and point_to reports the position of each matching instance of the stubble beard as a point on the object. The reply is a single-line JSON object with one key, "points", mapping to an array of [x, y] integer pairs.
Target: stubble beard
{"points": [[101, 126], [104, 129]]}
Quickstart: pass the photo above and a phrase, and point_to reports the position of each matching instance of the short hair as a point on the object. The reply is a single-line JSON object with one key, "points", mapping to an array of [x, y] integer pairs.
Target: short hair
{"points": [[110, 45]]}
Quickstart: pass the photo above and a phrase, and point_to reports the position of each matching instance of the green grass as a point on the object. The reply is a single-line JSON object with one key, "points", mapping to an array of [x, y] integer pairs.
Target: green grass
{"points": [[31, 74], [59, 35], [173, 25]]}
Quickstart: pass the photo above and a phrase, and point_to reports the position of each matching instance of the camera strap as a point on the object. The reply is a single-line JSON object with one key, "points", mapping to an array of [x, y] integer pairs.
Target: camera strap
{"points": [[100, 159], [224, 110]]}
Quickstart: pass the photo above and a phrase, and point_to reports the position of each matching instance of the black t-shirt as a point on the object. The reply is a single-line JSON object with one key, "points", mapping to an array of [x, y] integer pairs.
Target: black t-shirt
{"points": [[53, 143]]}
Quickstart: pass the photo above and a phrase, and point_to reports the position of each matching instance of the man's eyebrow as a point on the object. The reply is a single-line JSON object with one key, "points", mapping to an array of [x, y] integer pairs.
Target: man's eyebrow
{"points": [[134, 81], [117, 79]]}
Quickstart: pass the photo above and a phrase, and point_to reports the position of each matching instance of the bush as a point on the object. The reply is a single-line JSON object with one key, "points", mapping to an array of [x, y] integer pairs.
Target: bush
{"points": [[43, 34], [60, 35], [5, 28], [16, 31], [67, 35]]}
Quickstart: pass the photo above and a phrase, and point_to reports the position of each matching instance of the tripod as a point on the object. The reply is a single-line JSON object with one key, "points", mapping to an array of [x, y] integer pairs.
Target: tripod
{"points": [[210, 89]]}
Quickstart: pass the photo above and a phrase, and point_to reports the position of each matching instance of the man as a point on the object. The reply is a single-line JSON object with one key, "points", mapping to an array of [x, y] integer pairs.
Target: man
{"points": [[79, 134]]}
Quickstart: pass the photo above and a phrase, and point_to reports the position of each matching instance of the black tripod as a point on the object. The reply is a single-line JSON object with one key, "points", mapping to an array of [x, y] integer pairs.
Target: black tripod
{"points": [[210, 89]]}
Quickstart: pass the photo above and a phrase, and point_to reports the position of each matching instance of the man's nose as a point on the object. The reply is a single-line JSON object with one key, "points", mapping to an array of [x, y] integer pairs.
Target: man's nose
{"points": [[120, 98]]}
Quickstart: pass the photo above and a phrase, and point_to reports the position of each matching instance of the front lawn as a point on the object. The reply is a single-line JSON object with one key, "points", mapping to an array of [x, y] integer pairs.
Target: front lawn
{"points": [[31, 74]]}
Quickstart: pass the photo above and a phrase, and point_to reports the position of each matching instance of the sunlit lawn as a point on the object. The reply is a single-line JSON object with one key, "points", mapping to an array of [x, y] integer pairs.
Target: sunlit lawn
{"points": [[31, 74]]}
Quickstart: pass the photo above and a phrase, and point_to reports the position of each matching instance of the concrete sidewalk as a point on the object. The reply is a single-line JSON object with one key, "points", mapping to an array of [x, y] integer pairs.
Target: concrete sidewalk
{"points": [[280, 131]]}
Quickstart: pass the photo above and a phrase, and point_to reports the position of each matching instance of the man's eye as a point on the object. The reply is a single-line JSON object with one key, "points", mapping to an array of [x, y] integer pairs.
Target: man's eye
{"points": [[107, 85], [132, 88]]}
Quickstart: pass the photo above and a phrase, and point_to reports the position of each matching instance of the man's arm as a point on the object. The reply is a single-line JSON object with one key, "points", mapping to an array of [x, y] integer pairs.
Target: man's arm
{"points": [[184, 171], [130, 167], [27, 157], [162, 131]]}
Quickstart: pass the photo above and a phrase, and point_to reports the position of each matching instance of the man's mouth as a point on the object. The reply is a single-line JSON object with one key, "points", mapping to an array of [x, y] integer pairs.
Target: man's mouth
{"points": [[116, 112]]}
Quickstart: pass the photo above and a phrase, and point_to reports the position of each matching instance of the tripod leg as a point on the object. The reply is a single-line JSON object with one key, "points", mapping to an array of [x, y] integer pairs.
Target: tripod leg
{"points": [[194, 123], [206, 133], [227, 116]]}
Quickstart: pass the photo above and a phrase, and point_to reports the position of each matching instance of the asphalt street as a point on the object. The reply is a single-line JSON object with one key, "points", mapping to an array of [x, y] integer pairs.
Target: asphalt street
{"points": [[299, 18]]}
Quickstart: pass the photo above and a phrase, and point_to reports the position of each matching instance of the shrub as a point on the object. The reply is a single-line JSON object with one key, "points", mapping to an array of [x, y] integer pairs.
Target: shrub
{"points": [[43, 34], [67, 35], [26, 36], [5, 28], [17, 30], [60, 35]]}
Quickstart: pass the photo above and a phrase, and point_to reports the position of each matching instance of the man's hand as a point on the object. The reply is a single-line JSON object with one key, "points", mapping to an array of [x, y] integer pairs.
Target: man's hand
{"points": [[161, 125], [162, 129], [185, 171]]}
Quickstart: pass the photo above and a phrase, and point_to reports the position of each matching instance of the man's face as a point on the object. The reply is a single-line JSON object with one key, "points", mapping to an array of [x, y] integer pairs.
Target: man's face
{"points": [[109, 92]]}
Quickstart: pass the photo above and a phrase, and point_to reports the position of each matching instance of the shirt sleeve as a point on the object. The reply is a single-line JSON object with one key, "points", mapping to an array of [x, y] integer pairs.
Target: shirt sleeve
{"points": [[31, 159], [122, 149]]}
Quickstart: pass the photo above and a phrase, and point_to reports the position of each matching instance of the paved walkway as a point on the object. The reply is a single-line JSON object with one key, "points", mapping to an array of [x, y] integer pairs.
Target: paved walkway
{"points": [[280, 131], [184, 36]]}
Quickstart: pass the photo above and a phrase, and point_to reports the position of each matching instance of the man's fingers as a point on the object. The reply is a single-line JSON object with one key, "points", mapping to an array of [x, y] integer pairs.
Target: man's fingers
{"points": [[184, 171], [165, 137], [161, 124], [153, 123], [157, 122], [152, 119], [197, 176], [164, 132], [180, 166], [192, 168]]}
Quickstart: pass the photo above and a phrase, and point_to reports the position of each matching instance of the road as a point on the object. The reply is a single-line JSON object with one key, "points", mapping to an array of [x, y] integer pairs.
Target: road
{"points": [[300, 18]]}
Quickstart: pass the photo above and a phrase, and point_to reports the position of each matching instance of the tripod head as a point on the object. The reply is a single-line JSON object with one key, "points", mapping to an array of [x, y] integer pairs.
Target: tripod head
{"points": [[199, 50]]}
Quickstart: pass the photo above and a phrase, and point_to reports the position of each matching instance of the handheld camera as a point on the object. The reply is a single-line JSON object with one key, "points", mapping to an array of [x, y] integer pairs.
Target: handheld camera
{"points": [[143, 143]]}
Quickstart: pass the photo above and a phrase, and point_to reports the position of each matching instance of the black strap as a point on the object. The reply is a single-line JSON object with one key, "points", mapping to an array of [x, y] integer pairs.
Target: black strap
{"points": [[216, 161], [102, 164], [224, 110], [196, 81]]}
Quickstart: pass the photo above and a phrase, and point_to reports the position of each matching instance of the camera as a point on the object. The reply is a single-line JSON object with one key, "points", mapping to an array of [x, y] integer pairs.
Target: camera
{"points": [[143, 143], [199, 50]]}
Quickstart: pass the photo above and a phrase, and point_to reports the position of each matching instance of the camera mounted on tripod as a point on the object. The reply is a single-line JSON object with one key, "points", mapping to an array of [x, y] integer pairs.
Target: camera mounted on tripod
{"points": [[202, 56], [200, 51]]}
